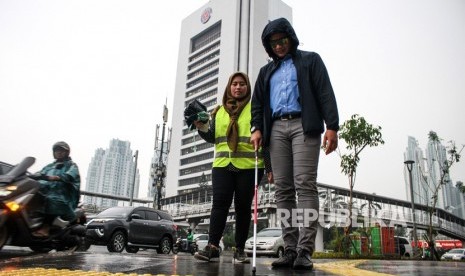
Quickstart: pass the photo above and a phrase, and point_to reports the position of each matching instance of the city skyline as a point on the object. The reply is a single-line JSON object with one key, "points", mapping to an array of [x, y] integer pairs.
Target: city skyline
{"points": [[87, 75], [111, 172], [426, 173]]}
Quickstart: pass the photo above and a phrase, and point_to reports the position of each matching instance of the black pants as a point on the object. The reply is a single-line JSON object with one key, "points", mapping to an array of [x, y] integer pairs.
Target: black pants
{"points": [[227, 185]]}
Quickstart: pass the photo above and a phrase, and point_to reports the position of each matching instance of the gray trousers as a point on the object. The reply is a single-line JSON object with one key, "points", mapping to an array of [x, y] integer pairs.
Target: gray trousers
{"points": [[294, 160]]}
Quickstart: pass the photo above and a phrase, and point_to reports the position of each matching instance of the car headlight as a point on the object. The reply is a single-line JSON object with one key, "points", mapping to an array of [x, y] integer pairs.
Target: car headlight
{"points": [[99, 232], [101, 220], [270, 242]]}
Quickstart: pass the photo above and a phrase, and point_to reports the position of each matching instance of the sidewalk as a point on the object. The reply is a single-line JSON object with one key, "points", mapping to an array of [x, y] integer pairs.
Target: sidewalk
{"points": [[149, 263]]}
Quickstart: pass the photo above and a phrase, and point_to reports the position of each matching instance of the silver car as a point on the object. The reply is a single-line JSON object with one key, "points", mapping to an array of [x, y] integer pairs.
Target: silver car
{"points": [[202, 241], [269, 243], [457, 254]]}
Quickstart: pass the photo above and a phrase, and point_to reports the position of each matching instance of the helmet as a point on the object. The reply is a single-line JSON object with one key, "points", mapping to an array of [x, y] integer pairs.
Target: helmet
{"points": [[61, 144]]}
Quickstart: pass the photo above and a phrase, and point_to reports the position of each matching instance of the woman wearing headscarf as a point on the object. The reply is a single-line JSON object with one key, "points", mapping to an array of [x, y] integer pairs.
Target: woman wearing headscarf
{"points": [[233, 172]]}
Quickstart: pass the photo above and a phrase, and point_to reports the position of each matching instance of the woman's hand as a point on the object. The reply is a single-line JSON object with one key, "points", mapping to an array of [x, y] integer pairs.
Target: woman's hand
{"points": [[201, 126]]}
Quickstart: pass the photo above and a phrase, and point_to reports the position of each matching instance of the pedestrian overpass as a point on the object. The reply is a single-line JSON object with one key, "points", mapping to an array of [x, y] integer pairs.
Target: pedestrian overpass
{"points": [[367, 209]]}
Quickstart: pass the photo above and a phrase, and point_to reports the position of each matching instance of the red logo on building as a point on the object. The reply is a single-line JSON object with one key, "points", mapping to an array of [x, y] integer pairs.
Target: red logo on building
{"points": [[206, 14]]}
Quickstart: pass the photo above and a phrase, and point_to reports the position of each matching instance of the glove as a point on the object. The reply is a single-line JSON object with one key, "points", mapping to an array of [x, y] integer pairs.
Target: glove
{"points": [[191, 113], [203, 117]]}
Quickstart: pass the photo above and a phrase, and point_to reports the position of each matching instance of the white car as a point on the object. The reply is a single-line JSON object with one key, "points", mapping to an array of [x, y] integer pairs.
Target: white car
{"points": [[403, 247], [269, 243], [456, 254], [202, 241]]}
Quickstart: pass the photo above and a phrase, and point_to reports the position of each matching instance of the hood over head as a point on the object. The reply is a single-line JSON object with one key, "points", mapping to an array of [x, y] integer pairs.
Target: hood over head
{"points": [[280, 25]]}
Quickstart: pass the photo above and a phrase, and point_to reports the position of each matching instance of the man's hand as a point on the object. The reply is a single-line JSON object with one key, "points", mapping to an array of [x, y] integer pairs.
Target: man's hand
{"points": [[256, 139], [330, 141], [270, 177]]}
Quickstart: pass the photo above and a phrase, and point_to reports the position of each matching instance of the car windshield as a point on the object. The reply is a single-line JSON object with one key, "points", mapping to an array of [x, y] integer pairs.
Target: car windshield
{"points": [[116, 212], [457, 251], [270, 233]]}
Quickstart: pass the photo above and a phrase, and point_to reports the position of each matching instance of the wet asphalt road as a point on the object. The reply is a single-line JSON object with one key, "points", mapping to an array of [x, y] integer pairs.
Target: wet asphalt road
{"points": [[148, 262]]}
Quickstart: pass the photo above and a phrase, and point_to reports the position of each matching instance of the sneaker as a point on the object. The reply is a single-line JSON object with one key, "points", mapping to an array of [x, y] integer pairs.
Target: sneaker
{"points": [[287, 260], [303, 261], [209, 252], [240, 256]]}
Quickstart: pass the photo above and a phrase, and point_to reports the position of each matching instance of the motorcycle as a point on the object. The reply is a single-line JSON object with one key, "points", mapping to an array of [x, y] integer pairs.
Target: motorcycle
{"points": [[19, 198], [180, 246]]}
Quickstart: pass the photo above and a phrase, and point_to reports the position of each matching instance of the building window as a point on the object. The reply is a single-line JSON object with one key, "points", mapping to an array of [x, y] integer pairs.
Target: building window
{"points": [[194, 180], [202, 54], [204, 69], [202, 88], [192, 139], [196, 148], [204, 96], [206, 37], [197, 158], [202, 78], [196, 169]]}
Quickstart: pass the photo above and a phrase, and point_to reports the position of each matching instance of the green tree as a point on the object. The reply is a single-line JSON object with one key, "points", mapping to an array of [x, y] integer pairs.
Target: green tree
{"points": [[453, 154], [358, 134]]}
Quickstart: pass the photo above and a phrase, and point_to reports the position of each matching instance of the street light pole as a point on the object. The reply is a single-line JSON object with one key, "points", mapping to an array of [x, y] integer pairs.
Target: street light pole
{"points": [[134, 179], [409, 164]]}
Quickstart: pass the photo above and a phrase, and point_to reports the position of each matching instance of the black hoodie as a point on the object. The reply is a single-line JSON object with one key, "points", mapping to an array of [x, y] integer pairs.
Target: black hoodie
{"points": [[280, 25], [316, 96]]}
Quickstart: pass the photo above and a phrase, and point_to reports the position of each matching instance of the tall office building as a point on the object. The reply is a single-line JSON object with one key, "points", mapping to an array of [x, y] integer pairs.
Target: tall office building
{"points": [[218, 39], [436, 156], [111, 172], [420, 176], [426, 174]]}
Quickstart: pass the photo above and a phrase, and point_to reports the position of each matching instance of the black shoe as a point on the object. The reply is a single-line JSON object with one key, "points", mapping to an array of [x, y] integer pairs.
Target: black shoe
{"points": [[303, 261], [208, 253], [287, 260], [240, 256]]}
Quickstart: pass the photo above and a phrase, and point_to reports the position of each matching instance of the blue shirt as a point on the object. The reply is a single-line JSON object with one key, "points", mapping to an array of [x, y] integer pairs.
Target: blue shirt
{"points": [[284, 92]]}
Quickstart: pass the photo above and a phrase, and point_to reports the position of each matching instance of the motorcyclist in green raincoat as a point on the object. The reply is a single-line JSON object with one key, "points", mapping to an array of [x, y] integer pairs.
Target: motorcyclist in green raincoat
{"points": [[61, 187]]}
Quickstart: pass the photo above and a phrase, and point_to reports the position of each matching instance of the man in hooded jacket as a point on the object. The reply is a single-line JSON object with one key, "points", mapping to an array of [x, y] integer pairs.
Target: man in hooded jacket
{"points": [[292, 102]]}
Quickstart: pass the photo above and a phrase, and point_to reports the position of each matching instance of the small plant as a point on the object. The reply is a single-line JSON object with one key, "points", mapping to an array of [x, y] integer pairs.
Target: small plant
{"points": [[358, 134]]}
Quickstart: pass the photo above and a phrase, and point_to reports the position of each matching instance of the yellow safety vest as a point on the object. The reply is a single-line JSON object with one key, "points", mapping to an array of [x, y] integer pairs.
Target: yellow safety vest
{"points": [[244, 157]]}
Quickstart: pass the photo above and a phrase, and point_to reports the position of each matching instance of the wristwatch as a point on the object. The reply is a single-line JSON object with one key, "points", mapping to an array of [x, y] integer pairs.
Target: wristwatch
{"points": [[253, 129]]}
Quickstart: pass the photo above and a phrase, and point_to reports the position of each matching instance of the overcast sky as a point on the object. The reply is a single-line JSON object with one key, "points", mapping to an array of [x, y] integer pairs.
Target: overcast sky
{"points": [[90, 71]]}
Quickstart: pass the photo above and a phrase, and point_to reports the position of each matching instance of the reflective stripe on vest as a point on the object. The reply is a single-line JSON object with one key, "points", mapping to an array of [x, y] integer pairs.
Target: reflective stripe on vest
{"points": [[244, 158]]}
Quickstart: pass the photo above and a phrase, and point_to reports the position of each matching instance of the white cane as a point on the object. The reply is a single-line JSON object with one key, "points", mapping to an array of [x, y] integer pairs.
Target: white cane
{"points": [[255, 206]]}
